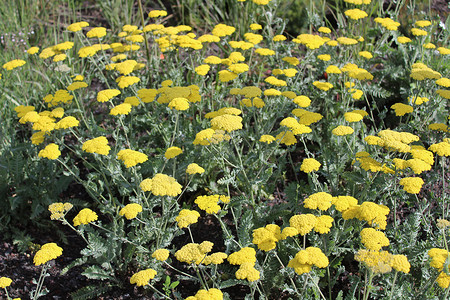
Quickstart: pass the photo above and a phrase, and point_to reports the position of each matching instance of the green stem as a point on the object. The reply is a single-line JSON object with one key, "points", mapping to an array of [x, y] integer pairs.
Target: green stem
{"points": [[393, 285]]}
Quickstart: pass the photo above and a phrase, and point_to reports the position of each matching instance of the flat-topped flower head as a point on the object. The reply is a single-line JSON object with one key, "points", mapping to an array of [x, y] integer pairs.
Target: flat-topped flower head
{"points": [[131, 158], [310, 165], [143, 277], [161, 185], [5, 282], [187, 217], [172, 152], [194, 169], [47, 252], [130, 211], [97, 145], [96, 32], [51, 151], [13, 64], [85, 216]]}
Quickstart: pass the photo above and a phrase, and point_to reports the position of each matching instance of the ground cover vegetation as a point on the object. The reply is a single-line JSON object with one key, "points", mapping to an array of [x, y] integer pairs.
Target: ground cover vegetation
{"points": [[232, 160]]}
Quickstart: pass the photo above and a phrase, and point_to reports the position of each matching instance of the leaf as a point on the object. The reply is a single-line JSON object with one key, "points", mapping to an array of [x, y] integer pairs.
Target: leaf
{"points": [[229, 283], [95, 272], [90, 292], [245, 227]]}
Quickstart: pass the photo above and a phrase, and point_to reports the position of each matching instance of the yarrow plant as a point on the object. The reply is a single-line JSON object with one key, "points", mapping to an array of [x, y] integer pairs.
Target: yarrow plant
{"points": [[247, 159]]}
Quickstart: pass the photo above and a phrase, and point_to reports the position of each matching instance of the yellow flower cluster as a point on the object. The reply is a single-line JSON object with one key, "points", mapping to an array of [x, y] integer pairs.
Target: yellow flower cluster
{"points": [[210, 203], [131, 158], [161, 254], [10, 65], [85, 216], [187, 217], [324, 86], [246, 259], [438, 259], [374, 214], [320, 200], [161, 185], [194, 169], [306, 222], [142, 278], [412, 185], [309, 165], [97, 145], [47, 252], [211, 294], [441, 149], [373, 239], [5, 282], [266, 237], [130, 211], [388, 23], [51, 151], [402, 109], [420, 71], [74, 27], [311, 41], [304, 260], [342, 130], [355, 14], [59, 209], [381, 262], [172, 152], [194, 253]]}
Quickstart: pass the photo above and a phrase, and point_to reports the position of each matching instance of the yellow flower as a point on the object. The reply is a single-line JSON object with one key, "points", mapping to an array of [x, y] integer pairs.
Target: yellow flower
{"points": [[320, 200], [121, 109], [222, 30], [33, 50], [443, 280], [96, 32], [194, 169], [304, 260], [402, 109], [59, 209], [5, 282], [245, 255], [291, 60], [187, 217], [247, 271], [179, 103], [266, 138], [161, 185], [131, 158], [342, 203], [378, 261], [77, 85], [67, 122], [332, 69], [266, 237], [47, 252], [346, 41], [193, 253], [442, 223], [422, 23], [324, 86], [13, 64], [403, 40], [77, 26], [226, 75], [172, 152], [324, 57], [323, 224], [157, 13], [303, 223], [202, 70], [106, 95], [142, 278], [264, 52], [355, 14], [400, 263], [365, 54], [373, 239], [215, 258], [352, 117], [210, 203], [161, 254], [309, 165], [324, 30], [342, 130], [445, 82], [97, 145], [126, 81], [279, 38], [388, 23], [412, 185], [85, 216], [130, 211], [227, 123], [418, 32], [51, 151]]}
